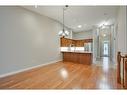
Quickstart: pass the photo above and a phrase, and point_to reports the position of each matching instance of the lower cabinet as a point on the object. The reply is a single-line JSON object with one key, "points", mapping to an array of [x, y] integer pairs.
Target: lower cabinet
{"points": [[83, 58]]}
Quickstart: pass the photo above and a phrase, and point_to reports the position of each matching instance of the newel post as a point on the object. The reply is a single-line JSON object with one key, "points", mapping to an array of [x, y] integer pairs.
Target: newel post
{"points": [[118, 67], [126, 71]]}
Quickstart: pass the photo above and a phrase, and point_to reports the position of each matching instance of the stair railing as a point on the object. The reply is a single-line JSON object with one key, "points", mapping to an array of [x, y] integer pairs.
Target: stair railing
{"points": [[122, 69]]}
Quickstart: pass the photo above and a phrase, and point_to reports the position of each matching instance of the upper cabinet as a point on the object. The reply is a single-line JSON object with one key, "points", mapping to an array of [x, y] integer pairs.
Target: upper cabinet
{"points": [[77, 43], [66, 42], [88, 40]]}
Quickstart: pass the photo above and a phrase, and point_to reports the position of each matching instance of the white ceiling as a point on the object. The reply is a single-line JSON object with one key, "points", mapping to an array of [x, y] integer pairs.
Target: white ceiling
{"points": [[87, 16]]}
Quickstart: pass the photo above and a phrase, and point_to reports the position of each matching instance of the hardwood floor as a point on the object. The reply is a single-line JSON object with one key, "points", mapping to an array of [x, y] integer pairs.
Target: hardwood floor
{"points": [[64, 75]]}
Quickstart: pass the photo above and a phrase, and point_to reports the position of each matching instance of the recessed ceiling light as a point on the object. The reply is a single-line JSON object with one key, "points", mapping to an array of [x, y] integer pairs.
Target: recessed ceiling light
{"points": [[79, 26], [106, 23], [35, 6], [104, 35]]}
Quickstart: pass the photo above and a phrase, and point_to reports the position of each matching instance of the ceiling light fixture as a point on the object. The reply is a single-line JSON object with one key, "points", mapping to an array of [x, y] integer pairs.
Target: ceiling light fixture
{"points": [[104, 35], [79, 26], [35, 6], [105, 23], [64, 32], [103, 26]]}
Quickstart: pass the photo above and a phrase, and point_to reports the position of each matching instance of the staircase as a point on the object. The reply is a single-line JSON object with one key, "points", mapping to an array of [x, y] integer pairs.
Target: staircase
{"points": [[122, 69]]}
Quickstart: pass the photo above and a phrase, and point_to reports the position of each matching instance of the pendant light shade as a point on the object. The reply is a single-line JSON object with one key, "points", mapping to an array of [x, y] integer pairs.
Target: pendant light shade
{"points": [[63, 32]]}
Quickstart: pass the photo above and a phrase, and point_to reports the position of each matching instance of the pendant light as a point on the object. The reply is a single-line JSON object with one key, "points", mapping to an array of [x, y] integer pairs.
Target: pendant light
{"points": [[64, 32]]}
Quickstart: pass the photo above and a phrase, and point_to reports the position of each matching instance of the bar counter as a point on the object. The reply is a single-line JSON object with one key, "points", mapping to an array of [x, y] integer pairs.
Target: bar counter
{"points": [[83, 57]]}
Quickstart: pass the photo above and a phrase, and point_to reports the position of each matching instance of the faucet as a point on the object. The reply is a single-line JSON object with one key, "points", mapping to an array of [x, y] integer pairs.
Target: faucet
{"points": [[70, 47]]}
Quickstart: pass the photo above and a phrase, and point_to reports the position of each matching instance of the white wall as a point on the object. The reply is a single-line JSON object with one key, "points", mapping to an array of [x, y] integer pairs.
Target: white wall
{"points": [[26, 39], [126, 27], [83, 35], [121, 35], [121, 30]]}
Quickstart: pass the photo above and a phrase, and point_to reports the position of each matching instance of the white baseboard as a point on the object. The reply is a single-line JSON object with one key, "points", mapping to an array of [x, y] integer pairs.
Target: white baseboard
{"points": [[26, 69]]}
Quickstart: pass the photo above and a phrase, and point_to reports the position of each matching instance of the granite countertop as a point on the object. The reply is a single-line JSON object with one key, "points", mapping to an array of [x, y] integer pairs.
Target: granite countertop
{"points": [[78, 51]]}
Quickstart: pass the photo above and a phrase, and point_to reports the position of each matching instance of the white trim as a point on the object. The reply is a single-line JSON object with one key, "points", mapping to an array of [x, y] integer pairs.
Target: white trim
{"points": [[125, 30], [26, 69]]}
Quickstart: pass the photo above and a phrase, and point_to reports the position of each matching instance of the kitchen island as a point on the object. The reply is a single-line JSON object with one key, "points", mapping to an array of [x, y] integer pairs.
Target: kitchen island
{"points": [[82, 57]]}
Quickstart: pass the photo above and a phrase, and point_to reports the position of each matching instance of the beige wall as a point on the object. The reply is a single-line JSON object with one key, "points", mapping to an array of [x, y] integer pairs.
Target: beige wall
{"points": [[83, 35], [121, 30], [121, 36], [26, 39]]}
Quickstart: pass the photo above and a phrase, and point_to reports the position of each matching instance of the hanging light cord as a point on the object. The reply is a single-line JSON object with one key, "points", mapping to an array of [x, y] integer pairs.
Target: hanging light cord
{"points": [[64, 8], [63, 19], [63, 32]]}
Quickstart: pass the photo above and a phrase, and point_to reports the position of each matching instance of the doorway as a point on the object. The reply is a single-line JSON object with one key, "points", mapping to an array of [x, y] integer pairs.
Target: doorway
{"points": [[105, 42], [105, 49]]}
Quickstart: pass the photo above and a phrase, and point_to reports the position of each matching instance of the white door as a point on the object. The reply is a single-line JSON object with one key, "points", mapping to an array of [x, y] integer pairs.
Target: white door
{"points": [[105, 49]]}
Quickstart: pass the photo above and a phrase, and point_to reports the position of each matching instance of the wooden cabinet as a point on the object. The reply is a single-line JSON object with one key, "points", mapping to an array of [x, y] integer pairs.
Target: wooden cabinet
{"points": [[65, 42], [88, 40], [83, 58], [73, 42], [79, 43]]}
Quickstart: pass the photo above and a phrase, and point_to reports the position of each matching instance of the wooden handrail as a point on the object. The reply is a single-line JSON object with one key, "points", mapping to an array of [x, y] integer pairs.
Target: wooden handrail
{"points": [[122, 61]]}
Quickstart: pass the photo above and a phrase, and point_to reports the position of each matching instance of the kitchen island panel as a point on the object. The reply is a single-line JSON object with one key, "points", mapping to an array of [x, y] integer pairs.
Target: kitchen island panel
{"points": [[77, 57]]}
